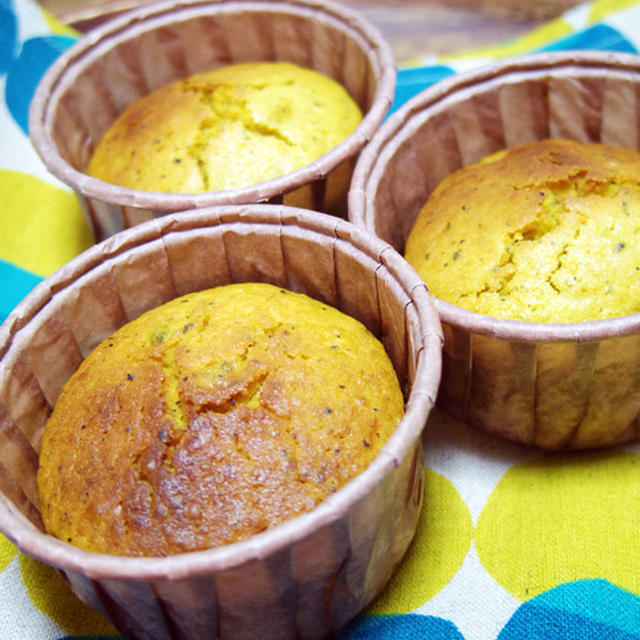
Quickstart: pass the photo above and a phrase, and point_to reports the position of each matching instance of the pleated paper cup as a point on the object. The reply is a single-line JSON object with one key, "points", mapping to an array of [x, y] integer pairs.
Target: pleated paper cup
{"points": [[552, 385], [92, 83], [305, 578]]}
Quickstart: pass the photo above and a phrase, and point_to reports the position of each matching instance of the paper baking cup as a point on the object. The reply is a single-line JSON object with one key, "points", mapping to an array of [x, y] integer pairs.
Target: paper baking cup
{"points": [[551, 385], [305, 578], [130, 56]]}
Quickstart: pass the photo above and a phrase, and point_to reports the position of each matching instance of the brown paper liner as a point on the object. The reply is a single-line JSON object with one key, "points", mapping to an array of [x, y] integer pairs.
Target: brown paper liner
{"points": [[305, 578], [88, 86], [551, 385]]}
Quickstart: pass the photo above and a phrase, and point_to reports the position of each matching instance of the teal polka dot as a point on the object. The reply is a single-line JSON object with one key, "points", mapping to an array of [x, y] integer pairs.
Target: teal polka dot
{"points": [[24, 74], [404, 627], [8, 35], [581, 610], [20, 282]]}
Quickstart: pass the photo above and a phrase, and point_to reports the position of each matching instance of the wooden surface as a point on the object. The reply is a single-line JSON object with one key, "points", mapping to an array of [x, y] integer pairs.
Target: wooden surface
{"points": [[411, 27]]}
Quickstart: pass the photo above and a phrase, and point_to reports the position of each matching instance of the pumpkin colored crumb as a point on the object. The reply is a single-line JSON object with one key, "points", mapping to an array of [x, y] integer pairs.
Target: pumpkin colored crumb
{"points": [[228, 128], [546, 231], [212, 418]]}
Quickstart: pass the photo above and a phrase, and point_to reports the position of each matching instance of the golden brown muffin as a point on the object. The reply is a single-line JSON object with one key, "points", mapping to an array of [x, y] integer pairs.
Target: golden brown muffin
{"points": [[224, 129], [212, 418], [545, 231]]}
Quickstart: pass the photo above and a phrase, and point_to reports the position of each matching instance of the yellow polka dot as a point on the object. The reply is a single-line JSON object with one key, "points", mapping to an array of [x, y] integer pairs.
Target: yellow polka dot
{"points": [[441, 543], [51, 594], [58, 27], [602, 8], [7, 551], [548, 32], [43, 226], [563, 518]]}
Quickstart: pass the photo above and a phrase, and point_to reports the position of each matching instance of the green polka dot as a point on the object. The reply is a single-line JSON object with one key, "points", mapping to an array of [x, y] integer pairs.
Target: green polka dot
{"points": [[7, 551], [42, 226], [441, 543], [563, 518], [52, 595]]}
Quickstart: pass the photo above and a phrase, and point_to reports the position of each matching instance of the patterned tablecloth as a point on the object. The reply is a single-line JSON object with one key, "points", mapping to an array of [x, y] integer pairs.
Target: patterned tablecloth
{"points": [[512, 543]]}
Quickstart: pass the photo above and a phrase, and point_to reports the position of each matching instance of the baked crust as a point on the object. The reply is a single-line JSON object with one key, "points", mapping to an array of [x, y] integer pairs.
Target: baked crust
{"points": [[212, 418], [545, 231]]}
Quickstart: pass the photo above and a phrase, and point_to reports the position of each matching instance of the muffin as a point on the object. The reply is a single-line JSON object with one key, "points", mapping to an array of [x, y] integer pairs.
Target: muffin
{"points": [[545, 231], [336, 558], [228, 128], [142, 50], [552, 384], [211, 418]]}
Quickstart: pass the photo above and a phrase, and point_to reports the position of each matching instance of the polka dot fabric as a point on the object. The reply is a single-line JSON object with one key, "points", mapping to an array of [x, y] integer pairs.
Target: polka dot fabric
{"points": [[512, 544], [41, 221]]}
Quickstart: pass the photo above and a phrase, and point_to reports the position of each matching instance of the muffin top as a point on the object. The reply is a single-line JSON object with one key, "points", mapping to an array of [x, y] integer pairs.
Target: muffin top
{"points": [[212, 418], [228, 128], [545, 231]]}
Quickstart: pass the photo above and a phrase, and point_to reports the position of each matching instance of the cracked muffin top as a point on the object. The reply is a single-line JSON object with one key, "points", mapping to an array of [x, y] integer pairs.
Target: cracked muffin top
{"points": [[546, 231], [225, 129], [212, 418]]}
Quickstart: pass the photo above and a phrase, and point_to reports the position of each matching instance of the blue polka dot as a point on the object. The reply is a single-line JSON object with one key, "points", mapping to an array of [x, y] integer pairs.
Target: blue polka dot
{"points": [[599, 36], [413, 80], [16, 285], [24, 74], [405, 627], [581, 610], [8, 35]]}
